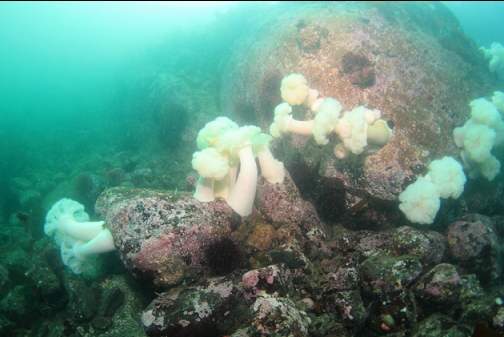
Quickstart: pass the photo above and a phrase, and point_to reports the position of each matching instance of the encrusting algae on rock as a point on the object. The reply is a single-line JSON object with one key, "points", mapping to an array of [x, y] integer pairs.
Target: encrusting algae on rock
{"points": [[312, 230]]}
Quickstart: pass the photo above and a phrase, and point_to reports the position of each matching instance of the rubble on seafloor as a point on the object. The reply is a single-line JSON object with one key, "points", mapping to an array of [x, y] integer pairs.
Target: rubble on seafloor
{"points": [[325, 253]]}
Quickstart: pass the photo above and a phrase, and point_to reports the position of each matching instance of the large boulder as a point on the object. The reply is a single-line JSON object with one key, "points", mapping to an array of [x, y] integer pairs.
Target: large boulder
{"points": [[410, 61]]}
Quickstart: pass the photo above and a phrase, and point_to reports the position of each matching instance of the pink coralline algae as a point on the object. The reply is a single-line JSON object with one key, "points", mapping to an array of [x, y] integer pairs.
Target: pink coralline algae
{"points": [[429, 246], [162, 237], [274, 280], [166, 238], [388, 274], [279, 317], [340, 274], [251, 278], [203, 310], [358, 280], [420, 82], [280, 203], [358, 69], [442, 284], [474, 244], [467, 239]]}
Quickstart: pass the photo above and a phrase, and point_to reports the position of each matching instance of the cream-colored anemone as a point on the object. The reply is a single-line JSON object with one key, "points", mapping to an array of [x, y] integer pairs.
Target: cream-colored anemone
{"points": [[283, 122]]}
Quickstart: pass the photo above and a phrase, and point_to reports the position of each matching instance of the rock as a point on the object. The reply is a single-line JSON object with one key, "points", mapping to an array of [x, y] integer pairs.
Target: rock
{"points": [[81, 300], [429, 246], [17, 305], [279, 203], [386, 274], [439, 325], [420, 82], [120, 302], [213, 309], [346, 308], [274, 280], [393, 313], [340, 274], [474, 245], [441, 285], [162, 237], [278, 317]]}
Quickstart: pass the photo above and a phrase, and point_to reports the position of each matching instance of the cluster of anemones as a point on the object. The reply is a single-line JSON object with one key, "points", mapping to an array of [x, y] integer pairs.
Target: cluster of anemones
{"points": [[226, 163], [356, 128]]}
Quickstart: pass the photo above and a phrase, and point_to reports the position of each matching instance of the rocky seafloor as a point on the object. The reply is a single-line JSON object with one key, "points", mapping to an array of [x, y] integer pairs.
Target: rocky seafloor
{"points": [[325, 253]]}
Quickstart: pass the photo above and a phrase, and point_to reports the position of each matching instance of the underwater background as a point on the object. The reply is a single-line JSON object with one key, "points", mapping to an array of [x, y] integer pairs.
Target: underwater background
{"points": [[103, 95]]}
